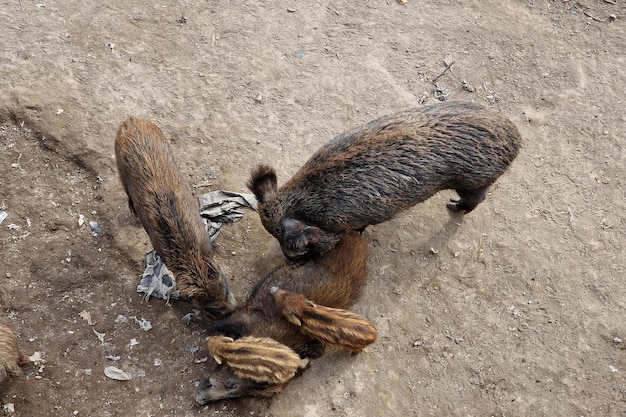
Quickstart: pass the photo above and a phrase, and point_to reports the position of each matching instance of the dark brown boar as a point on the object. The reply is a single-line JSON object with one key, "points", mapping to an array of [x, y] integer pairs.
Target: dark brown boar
{"points": [[168, 211], [334, 279], [368, 174]]}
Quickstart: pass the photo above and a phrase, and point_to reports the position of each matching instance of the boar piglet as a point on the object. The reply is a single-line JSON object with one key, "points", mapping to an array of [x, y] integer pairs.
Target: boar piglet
{"points": [[334, 280], [11, 359], [162, 201], [368, 174]]}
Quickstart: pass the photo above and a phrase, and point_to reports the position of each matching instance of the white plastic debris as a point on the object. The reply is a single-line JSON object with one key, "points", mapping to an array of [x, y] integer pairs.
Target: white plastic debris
{"points": [[121, 319], [143, 324], [95, 227], [99, 335], [59, 111], [612, 368], [37, 360], [87, 316], [81, 219], [112, 358], [8, 408], [116, 373], [133, 342], [3, 215]]}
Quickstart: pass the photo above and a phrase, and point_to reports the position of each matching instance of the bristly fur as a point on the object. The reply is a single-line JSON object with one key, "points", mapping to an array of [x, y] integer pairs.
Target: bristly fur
{"points": [[259, 359], [10, 356], [368, 174], [163, 202], [262, 182], [334, 279], [335, 327]]}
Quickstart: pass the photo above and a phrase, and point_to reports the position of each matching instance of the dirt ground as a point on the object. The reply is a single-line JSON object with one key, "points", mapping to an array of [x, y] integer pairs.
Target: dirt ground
{"points": [[514, 310]]}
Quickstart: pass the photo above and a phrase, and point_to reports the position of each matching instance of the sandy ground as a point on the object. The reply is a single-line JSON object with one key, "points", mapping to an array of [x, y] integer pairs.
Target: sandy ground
{"points": [[516, 309]]}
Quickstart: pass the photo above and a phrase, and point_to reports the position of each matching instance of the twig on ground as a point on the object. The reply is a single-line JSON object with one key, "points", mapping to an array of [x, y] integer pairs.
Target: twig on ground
{"points": [[448, 66]]}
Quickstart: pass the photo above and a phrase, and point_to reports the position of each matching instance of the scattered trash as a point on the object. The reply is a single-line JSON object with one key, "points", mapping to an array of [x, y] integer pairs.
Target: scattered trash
{"points": [[81, 219], [612, 368], [467, 87], [3, 215], [192, 349], [441, 93], [143, 324], [133, 342], [59, 111], [157, 280], [194, 315], [157, 362], [112, 358], [201, 360], [95, 227], [423, 98], [37, 360], [116, 373], [99, 335], [434, 251], [8, 408], [121, 319], [13, 226], [617, 340], [87, 316], [17, 164]]}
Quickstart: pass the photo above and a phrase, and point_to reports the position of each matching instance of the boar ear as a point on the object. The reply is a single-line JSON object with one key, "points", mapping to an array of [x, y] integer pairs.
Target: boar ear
{"points": [[299, 234], [262, 182]]}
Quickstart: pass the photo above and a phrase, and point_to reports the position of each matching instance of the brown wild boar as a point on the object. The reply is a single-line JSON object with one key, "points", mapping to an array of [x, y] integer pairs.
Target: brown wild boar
{"points": [[10, 356], [339, 328], [163, 202], [260, 359], [334, 279], [368, 174]]}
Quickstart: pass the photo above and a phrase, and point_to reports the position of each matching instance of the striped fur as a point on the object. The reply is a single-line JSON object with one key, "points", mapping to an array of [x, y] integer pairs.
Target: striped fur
{"points": [[259, 359], [10, 357], [335, 327]]}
